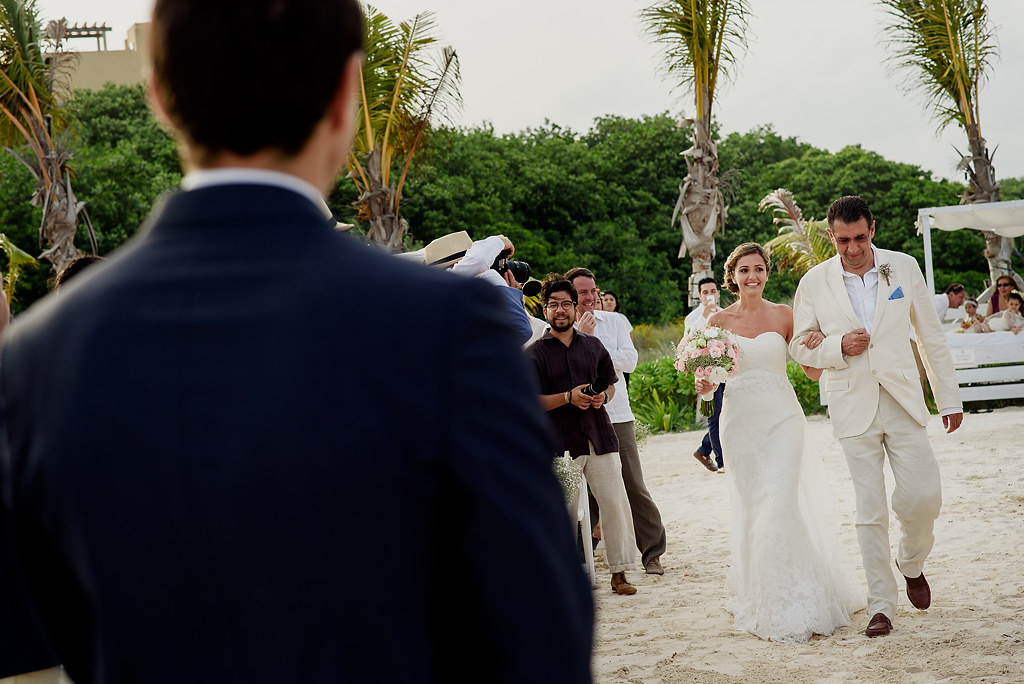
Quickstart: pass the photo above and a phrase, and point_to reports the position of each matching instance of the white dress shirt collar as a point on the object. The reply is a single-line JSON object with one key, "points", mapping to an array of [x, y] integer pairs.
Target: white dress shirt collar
{"points": [[204, 178], [863, 292]]}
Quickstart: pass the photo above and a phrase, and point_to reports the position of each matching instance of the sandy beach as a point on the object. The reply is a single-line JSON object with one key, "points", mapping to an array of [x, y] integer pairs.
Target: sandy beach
{"points": [[676, 628]]}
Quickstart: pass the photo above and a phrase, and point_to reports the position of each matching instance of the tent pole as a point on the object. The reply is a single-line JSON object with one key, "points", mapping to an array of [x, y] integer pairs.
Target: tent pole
{"points": [[924, 226]]}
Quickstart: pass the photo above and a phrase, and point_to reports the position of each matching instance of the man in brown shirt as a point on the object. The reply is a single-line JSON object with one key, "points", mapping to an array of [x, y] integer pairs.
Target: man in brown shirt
{"points": [[567, 363]]}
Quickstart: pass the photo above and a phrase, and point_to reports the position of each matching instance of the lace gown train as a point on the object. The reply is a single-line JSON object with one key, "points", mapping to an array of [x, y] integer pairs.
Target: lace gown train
{"points": [[787, 576]]}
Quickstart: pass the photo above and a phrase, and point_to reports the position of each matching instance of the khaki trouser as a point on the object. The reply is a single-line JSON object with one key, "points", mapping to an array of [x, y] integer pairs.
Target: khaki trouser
{"points": [[916, 498]]}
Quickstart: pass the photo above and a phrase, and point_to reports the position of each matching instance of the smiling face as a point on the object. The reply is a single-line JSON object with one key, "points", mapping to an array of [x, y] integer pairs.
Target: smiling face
{"points": [[560, 311], [586, 290], [956, 299], [853, 244], [1004, 284], [751, 274]]}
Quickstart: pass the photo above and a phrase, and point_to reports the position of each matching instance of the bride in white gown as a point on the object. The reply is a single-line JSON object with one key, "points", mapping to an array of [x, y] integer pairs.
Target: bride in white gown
{"points": [[787, 576]]}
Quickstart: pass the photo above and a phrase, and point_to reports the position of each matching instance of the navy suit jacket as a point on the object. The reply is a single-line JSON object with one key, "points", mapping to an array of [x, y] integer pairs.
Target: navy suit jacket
{"points": [[247, 448]]}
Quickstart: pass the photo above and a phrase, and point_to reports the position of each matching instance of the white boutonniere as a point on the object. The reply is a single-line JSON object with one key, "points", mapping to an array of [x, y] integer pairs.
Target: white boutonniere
{"points": [[885, 270]]}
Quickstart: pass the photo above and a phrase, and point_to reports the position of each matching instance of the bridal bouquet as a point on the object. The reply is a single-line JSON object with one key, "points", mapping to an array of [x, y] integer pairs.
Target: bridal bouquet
{"points": [[710, 354]]}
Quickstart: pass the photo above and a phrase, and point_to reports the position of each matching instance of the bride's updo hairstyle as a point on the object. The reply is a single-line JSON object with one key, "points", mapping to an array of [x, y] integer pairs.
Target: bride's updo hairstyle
{"points": [[737, 254]]}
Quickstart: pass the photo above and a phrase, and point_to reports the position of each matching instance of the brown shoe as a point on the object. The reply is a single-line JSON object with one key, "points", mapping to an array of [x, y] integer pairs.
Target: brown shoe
{"points": [[653, 566], [879, 625], [621, 585], [706, 460], [918, 591]]}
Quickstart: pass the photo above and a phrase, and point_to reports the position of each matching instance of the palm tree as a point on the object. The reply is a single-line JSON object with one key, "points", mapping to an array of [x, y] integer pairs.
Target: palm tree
{"points": [[700, 39], [945, 48], [405, 89], [17, 260], [801, 244], [30, 87]]}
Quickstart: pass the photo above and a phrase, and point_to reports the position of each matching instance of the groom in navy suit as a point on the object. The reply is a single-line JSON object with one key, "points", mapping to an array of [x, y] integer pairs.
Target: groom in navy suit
{"points": [[233, 452]]}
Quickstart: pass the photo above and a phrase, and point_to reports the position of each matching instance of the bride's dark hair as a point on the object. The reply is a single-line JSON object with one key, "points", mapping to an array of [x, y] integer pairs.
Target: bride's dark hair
{"points": [[737, 254]]}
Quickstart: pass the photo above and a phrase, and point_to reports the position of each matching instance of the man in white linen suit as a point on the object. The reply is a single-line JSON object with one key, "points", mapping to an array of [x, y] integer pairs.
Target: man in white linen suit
{"points": [[865, 300]]}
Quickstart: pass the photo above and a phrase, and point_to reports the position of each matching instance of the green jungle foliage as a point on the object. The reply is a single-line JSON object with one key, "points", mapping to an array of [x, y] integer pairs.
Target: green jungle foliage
{"points": [[600, 199], [664, 399]]}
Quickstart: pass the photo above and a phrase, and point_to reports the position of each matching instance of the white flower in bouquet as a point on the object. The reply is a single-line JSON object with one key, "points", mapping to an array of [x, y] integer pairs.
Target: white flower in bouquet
{"points": [[570, 473], [710, 354]]}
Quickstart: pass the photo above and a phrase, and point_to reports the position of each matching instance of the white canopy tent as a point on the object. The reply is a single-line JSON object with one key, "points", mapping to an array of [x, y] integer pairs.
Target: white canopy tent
{"points": [[1004, 218]]}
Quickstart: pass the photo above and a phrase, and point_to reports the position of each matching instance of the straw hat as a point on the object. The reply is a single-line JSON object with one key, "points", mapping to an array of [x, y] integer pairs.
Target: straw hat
{"points": [[448, 249]]}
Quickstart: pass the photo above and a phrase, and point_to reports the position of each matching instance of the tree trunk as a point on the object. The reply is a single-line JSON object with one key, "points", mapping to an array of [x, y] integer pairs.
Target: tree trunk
{"points": [[700, 206], [386, 228], [982, 187], [60, 224]]}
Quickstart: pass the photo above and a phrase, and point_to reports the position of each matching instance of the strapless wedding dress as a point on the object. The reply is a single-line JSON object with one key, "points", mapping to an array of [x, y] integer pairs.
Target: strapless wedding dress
{"points": [[787, 576]]}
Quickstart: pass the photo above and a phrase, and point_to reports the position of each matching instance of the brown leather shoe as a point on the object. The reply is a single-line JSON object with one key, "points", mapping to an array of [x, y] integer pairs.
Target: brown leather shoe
{"points": [[918, 591], [653, 566], [706, 460], [879, 625], [621, 585]]}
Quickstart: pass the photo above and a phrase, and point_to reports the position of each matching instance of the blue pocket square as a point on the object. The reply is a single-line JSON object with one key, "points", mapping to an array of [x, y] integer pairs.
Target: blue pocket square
{"points": [[897, 293]]}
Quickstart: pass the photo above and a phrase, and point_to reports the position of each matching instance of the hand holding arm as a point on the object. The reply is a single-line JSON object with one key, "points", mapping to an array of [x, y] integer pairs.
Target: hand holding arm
{"points": [[856, 342]]}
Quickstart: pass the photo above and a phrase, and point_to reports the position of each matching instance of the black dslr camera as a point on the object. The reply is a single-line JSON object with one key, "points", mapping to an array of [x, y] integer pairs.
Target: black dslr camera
{"points": [[520, 269]]}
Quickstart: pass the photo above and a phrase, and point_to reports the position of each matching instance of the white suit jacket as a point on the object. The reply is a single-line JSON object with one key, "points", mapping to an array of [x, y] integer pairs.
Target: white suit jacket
{"points": [[851, 383]]}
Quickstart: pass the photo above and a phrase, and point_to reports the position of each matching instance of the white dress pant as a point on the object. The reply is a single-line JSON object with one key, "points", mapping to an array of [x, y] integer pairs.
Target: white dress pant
{"points": [[916, 498]]}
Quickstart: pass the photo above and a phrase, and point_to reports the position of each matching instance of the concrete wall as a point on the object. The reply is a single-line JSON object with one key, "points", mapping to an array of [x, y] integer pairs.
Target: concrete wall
{"points": [[123, 67]]}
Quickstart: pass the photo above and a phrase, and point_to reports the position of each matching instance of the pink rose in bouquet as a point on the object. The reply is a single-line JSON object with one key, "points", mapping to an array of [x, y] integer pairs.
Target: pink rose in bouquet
{"points": [[710, 354]]}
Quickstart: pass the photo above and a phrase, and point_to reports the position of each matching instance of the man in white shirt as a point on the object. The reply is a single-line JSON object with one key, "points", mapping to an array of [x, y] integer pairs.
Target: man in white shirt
{"points": [[613, 330], [698, 320], [865, 301], [952, 298]]}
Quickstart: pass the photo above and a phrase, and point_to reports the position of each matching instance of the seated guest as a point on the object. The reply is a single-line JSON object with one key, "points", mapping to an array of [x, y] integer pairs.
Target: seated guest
{"points": [[998, 301], [1012, 318], [972, 322], [952, 298]]}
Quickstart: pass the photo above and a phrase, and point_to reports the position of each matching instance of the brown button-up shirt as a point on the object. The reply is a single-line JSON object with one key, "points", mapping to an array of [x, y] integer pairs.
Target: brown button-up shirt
{"points": [[559, 369]]}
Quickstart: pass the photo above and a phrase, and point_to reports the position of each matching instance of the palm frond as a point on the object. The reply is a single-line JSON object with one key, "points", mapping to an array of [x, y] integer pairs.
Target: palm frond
{"points": [[701, 40], [944, 48], [17, 260], [800, 244]]}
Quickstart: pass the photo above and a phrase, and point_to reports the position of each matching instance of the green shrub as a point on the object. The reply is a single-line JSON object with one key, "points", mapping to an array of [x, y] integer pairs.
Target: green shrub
{"points": [[653, 342], [807, 392], [662, 397]]}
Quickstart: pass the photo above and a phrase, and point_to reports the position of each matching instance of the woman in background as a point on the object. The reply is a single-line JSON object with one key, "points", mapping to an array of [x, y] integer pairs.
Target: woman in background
{"points": [[999, 299]]}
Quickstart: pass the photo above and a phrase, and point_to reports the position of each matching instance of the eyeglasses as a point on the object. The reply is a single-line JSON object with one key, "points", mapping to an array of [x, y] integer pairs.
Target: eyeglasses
{"points": [[564, 306], [1005, 285]]}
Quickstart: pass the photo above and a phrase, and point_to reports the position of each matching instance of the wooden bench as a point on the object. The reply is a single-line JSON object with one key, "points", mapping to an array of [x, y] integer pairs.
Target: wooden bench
{"points": [[979, 379], [974, 358]]}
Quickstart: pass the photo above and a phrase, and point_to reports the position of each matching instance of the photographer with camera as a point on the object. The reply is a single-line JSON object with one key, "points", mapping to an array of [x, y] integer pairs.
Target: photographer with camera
{"points": [[487, 259], [575, 370]]}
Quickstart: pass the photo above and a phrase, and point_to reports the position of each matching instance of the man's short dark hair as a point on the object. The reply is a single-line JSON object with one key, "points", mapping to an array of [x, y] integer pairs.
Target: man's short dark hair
{"points": [[243, 76], [849, 209], [555, 282], [954, 288], [704, 281], [579, 272]]}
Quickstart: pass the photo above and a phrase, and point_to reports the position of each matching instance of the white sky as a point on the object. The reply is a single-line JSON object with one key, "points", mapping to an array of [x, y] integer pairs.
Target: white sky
{"points": [[813, 70]]}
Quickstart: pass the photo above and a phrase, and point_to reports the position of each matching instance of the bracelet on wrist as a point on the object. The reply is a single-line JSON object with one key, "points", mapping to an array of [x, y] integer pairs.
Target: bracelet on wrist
{"points": [[568, 396]]}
